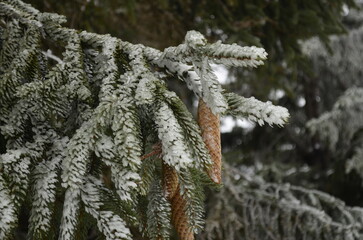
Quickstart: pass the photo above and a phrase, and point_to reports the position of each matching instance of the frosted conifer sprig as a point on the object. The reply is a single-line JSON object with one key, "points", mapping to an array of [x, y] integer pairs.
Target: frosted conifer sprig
{"points": [[72, 125], [11, 44], [256, 110], [236, 56], [196, 46], [175, 151], [15, 167], [183, 71], [158, 214], [110, 224], [19, 65], [7, 210], [195, 56], [44, 184], [192, 131]]}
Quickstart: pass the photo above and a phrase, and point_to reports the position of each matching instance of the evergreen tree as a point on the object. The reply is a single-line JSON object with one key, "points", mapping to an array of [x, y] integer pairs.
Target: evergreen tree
{"points": [[259, 201], [248, 207], [338, 127], [96, 138]]}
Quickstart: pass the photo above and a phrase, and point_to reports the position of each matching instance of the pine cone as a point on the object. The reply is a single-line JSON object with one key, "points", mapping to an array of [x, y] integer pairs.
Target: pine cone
{"points": [[178, 203], [170, 181], [180, 218], [210, 126]]}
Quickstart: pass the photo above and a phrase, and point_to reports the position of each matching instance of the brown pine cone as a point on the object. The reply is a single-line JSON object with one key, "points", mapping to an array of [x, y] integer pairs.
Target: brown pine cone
{"points": [[170, 181], [178, 204], [180, 218], [210, 126]]}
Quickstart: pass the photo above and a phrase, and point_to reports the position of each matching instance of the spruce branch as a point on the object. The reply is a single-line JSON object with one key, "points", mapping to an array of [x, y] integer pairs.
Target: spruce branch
{"points": [[340, 128], [174, 149], [158, 212], [192, 132], [44, 187], [250, 208], [109, 223], [7, 210], [256, 110], [65, 124]]}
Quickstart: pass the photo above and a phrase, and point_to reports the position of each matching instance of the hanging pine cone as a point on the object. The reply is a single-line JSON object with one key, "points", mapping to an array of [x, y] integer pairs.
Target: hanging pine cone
{"points": [[170, 181], [210, 126], [179, 217], [178, 204]]}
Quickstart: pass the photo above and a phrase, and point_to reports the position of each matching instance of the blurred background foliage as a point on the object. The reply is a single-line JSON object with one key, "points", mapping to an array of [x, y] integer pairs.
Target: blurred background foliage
{"points": [[301, 38]]}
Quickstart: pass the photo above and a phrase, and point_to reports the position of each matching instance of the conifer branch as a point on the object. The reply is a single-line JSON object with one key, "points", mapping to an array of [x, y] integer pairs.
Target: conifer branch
{"points": [[158, 212], [340, 128], [7, 210], [64, 124], [256, 111], [250, 207]]}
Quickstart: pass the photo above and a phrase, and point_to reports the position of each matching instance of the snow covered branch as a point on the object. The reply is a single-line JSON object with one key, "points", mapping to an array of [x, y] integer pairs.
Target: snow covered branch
{"points": [[77, 126]]}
